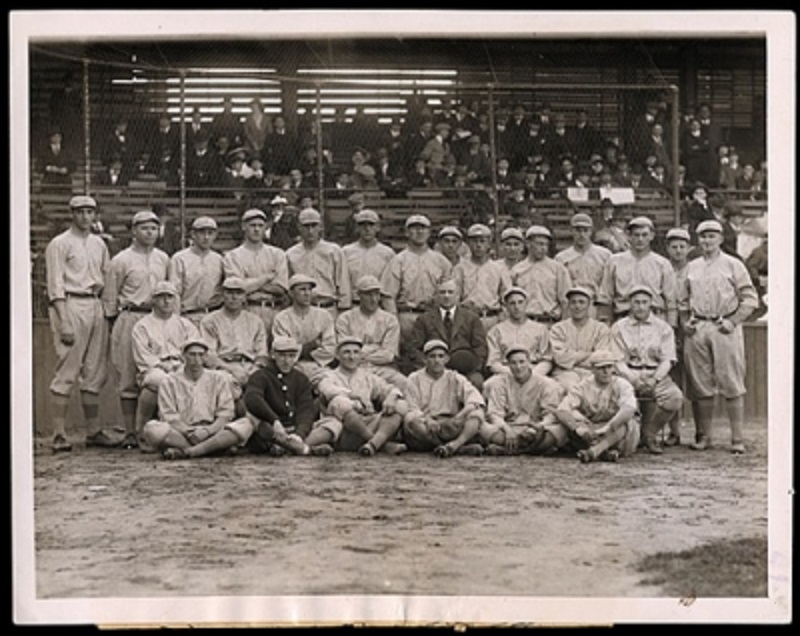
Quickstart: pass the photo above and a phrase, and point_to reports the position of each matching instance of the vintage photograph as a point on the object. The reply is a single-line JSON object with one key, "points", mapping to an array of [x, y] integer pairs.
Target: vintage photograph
{"points": [[402, 318]]}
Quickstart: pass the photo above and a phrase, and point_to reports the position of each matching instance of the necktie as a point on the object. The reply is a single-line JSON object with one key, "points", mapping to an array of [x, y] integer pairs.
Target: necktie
{"points": [[448, 325]]}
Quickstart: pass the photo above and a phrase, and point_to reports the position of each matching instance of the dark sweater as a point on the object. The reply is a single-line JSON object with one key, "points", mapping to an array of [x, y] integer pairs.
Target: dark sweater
{"points": [[271, 395]]}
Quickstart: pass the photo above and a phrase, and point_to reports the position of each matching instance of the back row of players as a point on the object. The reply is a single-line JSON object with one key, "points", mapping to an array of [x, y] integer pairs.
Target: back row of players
{"points": [[396, 345]]}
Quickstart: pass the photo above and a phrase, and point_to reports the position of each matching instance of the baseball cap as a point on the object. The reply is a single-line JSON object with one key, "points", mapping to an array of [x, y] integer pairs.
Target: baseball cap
{"points": [[581, 219], [195, 341], [204, 222], [431, 345], [82, 201], [349, 340], [678, 233], [418, 219], [144, 216], [538, 230], [301, 279], [285, 343], [233, 282], [309, 216], [579, 290], [515, 290], [277, 199], [478, 230], [641, 289], [366, 216], [516, 348], [367, 283], [450, 230], [602, 358], [512, 232], [164, 287], [641, 221], [709, 226], [253, 213]]}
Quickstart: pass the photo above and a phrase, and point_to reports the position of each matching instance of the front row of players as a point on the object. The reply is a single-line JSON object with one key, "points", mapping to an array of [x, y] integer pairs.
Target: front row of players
{"points": [[440, 411]]}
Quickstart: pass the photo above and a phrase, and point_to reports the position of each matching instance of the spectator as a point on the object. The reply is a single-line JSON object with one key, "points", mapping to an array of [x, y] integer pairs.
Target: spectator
{"points": [[256, 127], [567, 177], [112, 175], [419, 177], [437, 149], [228, 124], [697, 210], [281, 148], [164, 151], [203, 168], [711, 130], [389, 173], [417, 142], [197, 129], [233, 179], [56, 163], [696, 153], [558, 141], [622, 177], [658, 146], [730, 172], [517, 135], [118, 144], [66, 112], [585, 140]]}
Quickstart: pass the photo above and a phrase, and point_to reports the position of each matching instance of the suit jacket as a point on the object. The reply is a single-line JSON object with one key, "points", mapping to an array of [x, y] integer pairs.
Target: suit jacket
{"points": [[468, 333]]}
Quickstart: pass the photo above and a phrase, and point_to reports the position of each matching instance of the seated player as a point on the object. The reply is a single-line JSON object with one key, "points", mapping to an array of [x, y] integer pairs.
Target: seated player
{"points": [[520, 407], [599, 414], [445, 409], [361, 411]]}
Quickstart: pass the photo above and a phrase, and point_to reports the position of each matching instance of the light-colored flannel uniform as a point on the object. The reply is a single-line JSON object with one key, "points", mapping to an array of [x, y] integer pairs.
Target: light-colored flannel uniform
{"points": [[547, 283], [532, 335], [483, 285], [380, 333], [198, 277], [304, 328], [366, 261], [157, 340], [76, 268], [568, 340], [624, 271], [326, 264]]}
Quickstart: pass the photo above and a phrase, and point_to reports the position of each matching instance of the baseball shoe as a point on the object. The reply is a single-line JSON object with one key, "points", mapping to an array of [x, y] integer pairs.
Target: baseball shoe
{"points": [[322, 450], [652, 447], [394, 448], [585, 456], [737, 449], [672, 440], [130, 442], [174, 453], [367, 449], [296, 444], [474, 450], [60, 444], [495, 450], [611, 456], [701, 444]]}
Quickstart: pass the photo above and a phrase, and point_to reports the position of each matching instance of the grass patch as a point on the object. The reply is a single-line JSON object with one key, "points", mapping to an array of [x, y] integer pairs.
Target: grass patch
{"points": [[723, 569]]}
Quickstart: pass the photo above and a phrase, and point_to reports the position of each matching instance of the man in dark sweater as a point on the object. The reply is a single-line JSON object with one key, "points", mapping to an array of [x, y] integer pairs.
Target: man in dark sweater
{"points": [[279, 402]]}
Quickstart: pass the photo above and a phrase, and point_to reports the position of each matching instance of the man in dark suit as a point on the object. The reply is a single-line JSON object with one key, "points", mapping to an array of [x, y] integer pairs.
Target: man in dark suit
{"points": [[455, 325]]}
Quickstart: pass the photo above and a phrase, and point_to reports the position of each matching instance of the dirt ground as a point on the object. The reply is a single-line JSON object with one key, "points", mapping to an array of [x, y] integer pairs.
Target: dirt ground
{"points": [[113, 523]]}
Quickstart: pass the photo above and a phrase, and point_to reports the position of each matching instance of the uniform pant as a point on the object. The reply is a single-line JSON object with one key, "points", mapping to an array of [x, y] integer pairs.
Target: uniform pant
{"points": [[715, 361], [122, 353], [418, 436], [84, 361]]}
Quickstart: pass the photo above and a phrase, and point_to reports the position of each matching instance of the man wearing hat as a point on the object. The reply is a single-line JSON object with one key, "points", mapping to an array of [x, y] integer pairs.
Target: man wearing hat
{"points": [[367, 256], [131, 278], [456, 325], [361, 412], [311, 326], [479, 168], [544, 279], [716, 298], [236, 338], [410, 279], [197, 272], [638, 266], [280, 404], [451, 244], [645, 346], [282, 228], [195, 409], [520, 406], [445, 410], [378, 329], [598, 415], [576, 338], [324, 262], [77, 261], [516, 329], [481, 281], [584, 260], [512, 247], [157, 340], [263, 268], [437, 149], [611, 234], [697, 210]]}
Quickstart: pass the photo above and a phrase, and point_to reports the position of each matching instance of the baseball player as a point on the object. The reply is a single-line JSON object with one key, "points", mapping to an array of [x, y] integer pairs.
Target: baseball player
{"points": [[445, 409], [481, 281], [77, 261], [410, 279], [367, 256], [717, 297], [678, 247], [157, 341], [450, 244], [584, 260], [236, 338], [361, 411], [645, 345], [599, 414], [311, 326], [263, 268], [575, 339], [378, 330], [545, 280], [324, 262], [132, 276], [195, 408], [512, 247], [632, 268], [520, 406], [197, 272], [518, 329]]}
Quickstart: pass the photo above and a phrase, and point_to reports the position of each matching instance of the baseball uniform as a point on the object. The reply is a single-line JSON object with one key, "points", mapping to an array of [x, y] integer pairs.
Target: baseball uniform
{"points": [[529, 334], [157, 340], [568, 341], [198, 277], [482, 285], [380, 335], [366, 261], [624, 271], [326, 264], [546, 282], [314, 324]]}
